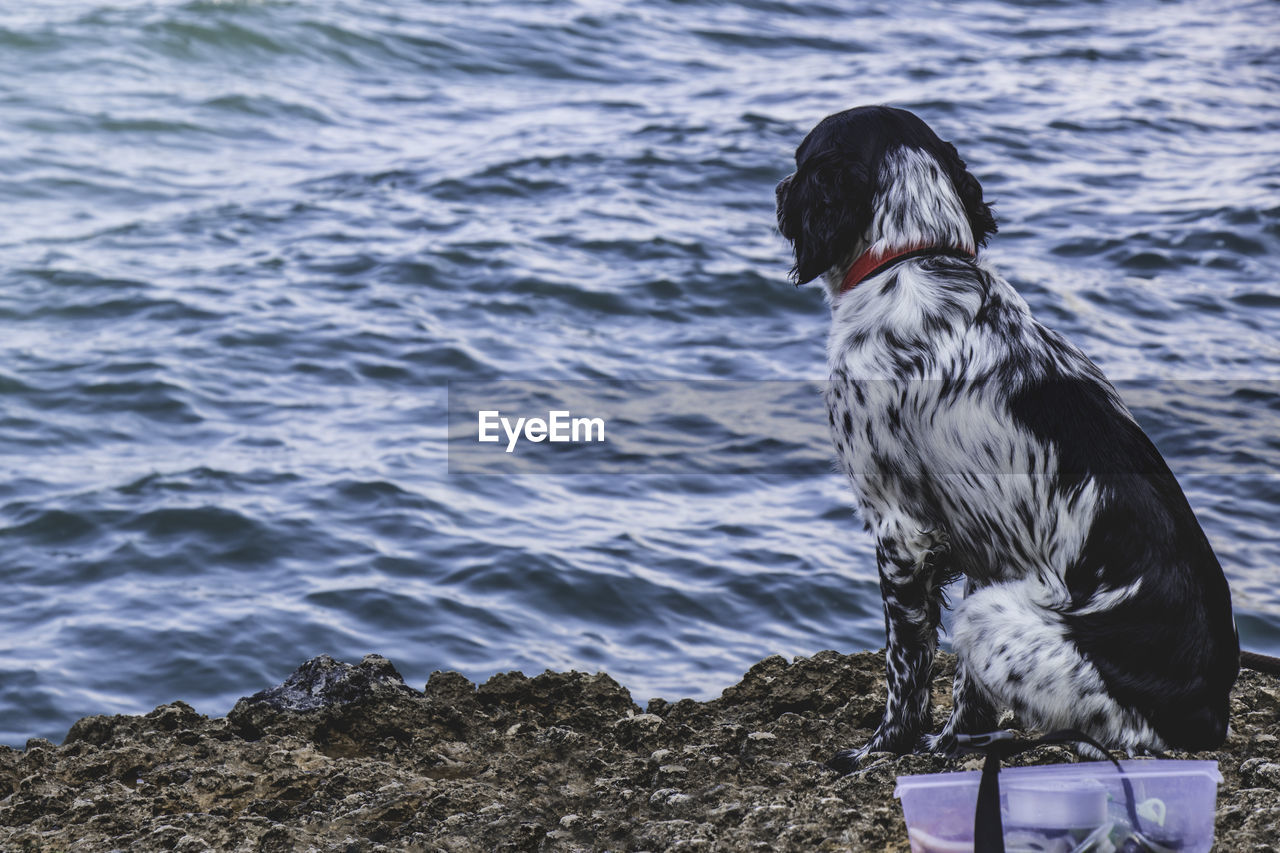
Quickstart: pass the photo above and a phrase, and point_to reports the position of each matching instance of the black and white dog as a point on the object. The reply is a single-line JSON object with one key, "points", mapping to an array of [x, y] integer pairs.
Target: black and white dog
{"points": [[981, 444]]}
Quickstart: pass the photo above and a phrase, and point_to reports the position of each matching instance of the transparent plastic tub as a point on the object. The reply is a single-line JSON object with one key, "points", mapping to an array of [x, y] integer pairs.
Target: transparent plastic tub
{"points": [[1070, 808]]}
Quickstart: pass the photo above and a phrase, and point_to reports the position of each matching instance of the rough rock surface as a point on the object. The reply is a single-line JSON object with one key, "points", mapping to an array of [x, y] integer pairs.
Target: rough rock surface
{"points": [[349, 758]]}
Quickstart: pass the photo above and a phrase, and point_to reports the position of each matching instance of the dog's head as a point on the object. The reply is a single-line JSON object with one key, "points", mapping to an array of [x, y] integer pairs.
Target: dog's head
{"points": [[877, 176]]}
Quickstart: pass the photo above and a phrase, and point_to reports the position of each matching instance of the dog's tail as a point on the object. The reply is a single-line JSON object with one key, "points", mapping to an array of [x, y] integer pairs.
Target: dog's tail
{"points": [[1260, 663]]}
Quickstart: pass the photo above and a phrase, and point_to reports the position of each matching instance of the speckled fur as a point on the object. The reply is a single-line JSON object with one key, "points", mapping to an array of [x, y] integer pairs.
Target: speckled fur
{"points": [[982, 445]]}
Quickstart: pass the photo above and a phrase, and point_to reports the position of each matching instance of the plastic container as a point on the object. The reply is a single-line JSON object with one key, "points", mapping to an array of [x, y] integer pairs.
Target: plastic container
{"points": [[1064, 808]]}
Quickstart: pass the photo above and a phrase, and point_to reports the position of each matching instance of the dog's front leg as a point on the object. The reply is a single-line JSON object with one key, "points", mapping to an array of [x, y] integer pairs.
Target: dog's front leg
{"points": [[906, 556]]}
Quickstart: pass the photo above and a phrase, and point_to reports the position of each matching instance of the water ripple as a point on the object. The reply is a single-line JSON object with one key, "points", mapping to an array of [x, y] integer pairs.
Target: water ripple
{"points": [[250, 245]]}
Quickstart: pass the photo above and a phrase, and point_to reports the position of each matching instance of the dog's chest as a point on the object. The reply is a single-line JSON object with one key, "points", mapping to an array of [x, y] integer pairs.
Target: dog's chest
{"points": [[922, 430], [914, 452], [895, 357], [875, 427]]}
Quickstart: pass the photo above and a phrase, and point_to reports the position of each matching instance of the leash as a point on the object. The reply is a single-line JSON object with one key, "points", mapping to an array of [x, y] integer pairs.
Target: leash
{"points": [[988, 826], [1260, 663]]}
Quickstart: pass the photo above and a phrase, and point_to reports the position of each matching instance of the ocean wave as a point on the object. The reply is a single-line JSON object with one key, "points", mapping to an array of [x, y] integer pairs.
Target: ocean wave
{"points": [[251, 244]]}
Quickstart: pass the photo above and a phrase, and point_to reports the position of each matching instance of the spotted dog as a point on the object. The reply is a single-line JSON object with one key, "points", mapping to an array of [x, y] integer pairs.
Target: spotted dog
{"points": [[982, 445]]}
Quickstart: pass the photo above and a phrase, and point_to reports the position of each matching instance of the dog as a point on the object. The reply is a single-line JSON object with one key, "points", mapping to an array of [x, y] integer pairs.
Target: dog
{"points": [[982, 445]]}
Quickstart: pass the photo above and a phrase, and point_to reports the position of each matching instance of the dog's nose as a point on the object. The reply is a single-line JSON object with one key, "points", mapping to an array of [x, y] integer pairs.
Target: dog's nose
{"points": [[780, 207], [782, 186]]}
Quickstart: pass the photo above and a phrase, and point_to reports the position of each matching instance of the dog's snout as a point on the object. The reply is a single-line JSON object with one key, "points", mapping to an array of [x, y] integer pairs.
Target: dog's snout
{"points": [[781, 190], [781, 193]]}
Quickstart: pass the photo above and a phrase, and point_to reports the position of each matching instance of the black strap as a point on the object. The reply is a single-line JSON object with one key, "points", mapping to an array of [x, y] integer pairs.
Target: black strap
{"points": [[1260, 663], [988, 826]]}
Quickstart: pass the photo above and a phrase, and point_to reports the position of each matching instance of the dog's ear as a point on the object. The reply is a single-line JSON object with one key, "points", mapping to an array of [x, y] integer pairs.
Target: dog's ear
{"points": [[824, 211], [981, 220]]}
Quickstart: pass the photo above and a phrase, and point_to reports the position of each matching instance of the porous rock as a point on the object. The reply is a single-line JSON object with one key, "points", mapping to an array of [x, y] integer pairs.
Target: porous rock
{"points": [[348, 757]]}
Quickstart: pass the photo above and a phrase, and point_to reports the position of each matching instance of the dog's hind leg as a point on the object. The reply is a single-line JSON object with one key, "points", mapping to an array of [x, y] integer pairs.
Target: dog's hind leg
{"points": [[907, 557], [1018, 651], [972, 712]]}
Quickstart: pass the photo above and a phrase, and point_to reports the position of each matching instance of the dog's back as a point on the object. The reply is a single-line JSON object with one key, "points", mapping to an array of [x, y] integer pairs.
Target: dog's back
{"points": [[1170, 649]]}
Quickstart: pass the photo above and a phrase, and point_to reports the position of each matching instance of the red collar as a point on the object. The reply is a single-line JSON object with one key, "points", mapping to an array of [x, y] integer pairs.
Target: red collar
{"points": [[869, 263]]}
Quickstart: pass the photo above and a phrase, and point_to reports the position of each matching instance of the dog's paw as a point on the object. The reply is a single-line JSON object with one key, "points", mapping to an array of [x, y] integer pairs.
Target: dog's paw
{"points": [[944, 744], [847, 761]]}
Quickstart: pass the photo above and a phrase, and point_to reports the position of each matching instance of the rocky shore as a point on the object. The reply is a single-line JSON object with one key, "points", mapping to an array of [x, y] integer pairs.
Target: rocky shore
{"points": [[349, 758]]}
